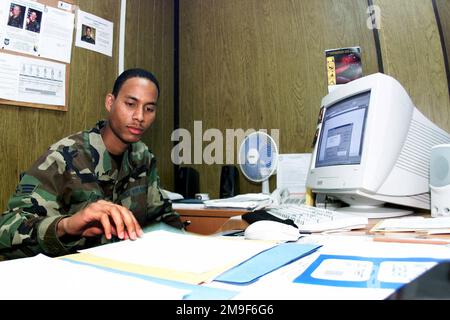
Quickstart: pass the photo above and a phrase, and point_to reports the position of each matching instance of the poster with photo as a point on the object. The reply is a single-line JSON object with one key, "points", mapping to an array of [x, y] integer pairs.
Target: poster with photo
{"points": [[94, 33], [21, 23], [343, 65]]}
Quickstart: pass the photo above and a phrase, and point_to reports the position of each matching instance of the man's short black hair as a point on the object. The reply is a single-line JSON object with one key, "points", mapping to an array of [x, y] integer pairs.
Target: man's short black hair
{"points": [[133, 73]]}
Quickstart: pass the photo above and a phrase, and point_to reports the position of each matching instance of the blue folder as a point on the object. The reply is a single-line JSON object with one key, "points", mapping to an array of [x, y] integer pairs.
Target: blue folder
{"points": [[265, 262]]}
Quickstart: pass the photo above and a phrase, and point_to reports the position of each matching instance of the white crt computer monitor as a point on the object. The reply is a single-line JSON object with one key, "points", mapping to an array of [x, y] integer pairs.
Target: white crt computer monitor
{"points": [[373, 148]]}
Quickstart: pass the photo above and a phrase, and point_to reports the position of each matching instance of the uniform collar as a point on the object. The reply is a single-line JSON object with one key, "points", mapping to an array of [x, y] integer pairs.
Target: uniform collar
{"points": [[104, 168]]}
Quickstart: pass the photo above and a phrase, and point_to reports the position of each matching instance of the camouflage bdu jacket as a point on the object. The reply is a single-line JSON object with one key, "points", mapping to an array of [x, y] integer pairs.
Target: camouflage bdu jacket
{"points": [[74, 172]]}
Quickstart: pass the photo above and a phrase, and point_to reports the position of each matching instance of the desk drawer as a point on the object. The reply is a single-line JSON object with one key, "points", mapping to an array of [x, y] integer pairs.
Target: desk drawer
{"points": [[204, 225]]}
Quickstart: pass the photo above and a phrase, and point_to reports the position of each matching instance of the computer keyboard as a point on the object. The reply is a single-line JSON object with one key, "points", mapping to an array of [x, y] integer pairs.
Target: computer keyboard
{"points": [[314, 219]]}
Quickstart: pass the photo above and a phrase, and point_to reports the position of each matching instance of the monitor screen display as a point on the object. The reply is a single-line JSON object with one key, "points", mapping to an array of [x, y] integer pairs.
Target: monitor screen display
{"points": [[341, 138]]}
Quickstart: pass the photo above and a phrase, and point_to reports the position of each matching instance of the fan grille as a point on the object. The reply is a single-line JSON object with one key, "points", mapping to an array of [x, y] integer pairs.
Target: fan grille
{"points": [[258, 156]]}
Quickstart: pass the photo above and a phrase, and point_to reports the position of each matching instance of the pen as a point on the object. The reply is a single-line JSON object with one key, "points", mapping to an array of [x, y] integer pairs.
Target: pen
{"points": [[411, 240]]}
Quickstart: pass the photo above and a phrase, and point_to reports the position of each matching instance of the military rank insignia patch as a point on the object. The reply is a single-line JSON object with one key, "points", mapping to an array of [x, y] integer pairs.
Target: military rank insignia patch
{"points": [[23, 189]]}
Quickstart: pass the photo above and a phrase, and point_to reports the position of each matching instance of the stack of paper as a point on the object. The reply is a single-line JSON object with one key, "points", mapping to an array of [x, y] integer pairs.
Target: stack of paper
{"points": [[187, 204], [249, 201], [416, 224]]}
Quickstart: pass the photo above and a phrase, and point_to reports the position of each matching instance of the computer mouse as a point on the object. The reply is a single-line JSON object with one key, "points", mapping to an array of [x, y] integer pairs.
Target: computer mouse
{"points": [[271, 230]]}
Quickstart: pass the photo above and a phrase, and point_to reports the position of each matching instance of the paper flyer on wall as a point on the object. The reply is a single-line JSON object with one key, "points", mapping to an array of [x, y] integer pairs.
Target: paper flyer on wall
{"points": [[32, 80], [292, 172], [33, 28], [343, 66], [94, 33]]}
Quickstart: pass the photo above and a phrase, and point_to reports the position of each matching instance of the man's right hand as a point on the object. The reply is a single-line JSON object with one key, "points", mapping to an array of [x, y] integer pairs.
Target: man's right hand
{"points": [[101, 217]]}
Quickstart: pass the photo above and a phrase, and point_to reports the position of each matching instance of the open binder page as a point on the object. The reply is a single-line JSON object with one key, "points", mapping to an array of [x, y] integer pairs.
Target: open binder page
{"points": [[182, 257]]}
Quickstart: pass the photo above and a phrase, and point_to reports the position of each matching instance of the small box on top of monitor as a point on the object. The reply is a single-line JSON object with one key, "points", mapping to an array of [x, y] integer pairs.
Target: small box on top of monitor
{"points": [[373, 148]]}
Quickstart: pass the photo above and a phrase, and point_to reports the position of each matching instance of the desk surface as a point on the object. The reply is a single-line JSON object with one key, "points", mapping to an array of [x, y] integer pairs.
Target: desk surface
{"points": [[222, 220], [234, 220], [278, 284], [208, 221]]}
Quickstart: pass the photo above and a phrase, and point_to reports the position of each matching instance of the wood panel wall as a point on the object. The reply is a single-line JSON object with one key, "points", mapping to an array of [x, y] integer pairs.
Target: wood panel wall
{"points": [[443, 10], [149, 45], [243, 64], [260, 64], [25, 133], [412, 53]]}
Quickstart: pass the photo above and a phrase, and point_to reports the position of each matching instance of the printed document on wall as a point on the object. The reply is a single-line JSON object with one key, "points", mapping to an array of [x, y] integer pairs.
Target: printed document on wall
{"points": [[35, 29], [94, 33], [57, 35], [32, 80], [292, 171], [18, 32]]}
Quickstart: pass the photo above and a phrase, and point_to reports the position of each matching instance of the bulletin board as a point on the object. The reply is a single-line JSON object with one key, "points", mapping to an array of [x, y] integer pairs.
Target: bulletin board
{"points": [[54, 4]]}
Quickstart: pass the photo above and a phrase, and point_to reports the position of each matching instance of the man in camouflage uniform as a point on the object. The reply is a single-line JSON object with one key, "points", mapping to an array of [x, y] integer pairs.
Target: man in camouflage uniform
{"points": [[92, 187]]}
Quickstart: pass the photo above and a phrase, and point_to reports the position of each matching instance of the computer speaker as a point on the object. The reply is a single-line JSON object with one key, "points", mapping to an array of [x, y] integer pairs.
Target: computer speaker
{"points": [[187, 182], [229, 181], [440, 180]]}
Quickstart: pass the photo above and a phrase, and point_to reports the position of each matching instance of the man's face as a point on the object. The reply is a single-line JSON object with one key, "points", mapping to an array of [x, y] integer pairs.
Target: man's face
{"points": [[133, 111], [33, 16], [88, 32], [16, 11]]}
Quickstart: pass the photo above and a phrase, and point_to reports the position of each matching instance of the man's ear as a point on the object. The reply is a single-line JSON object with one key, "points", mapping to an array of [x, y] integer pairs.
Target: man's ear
{"points": [[109, 100]]}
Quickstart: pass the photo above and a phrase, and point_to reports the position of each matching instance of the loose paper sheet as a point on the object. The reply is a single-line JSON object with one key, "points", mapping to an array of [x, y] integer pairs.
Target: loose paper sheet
{"points": [[55, 279], [419, 224], [292, 171]]}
